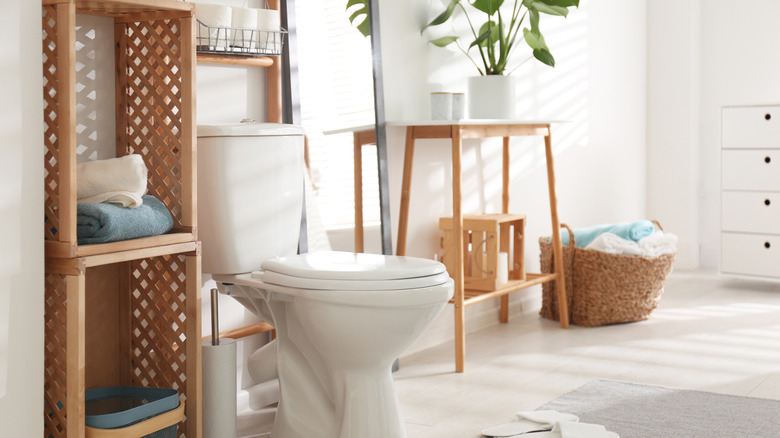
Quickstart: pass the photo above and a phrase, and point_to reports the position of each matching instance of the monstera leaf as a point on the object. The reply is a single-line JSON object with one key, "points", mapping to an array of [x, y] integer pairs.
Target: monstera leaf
{"points": [[359, 17]]}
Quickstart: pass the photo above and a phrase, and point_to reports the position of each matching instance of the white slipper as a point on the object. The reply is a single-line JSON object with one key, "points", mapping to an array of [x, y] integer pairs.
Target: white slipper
{"points": [[529, 421], [566, 429]]}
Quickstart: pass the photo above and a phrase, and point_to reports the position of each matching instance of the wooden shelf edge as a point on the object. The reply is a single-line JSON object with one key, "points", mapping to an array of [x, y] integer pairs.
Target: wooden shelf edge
{"points": [[473, 296], [255, 61], [77, 265], [121, 7], [55, 249]]}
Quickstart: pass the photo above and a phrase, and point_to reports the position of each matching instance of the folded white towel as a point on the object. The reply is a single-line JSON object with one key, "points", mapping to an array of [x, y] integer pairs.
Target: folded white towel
{"points": [[614, 244], [658, 244], [568, 429], [529, 421], [654, 245], [116, 180]]}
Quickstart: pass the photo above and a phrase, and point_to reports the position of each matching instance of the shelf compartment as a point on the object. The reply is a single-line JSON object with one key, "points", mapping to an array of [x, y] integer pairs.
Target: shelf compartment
{"points": [[154, 110], [143, 330]]}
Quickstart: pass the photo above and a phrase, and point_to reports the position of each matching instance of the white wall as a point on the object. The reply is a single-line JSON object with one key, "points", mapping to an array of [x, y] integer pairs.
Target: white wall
{"points": [[703, 56], [673, 121], [597, 86], [21, 194], [739, 66]]}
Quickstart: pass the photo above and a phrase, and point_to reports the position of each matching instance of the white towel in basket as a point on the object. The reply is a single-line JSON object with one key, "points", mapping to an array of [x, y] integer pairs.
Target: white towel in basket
{"points": [[116, 180]]}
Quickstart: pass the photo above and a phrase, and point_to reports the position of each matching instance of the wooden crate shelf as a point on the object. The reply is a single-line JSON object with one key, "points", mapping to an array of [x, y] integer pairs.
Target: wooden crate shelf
{"points": [[131, 322], [484, 237], [154, 113], [123, 313]]}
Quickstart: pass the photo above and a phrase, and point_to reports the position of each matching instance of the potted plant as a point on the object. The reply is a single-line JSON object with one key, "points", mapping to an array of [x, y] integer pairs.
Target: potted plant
{"points": [[495, 29]]}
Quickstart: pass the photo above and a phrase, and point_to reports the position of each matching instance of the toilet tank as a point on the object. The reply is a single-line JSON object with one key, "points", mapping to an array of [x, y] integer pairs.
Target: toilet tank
{"points": [[250, 194]]}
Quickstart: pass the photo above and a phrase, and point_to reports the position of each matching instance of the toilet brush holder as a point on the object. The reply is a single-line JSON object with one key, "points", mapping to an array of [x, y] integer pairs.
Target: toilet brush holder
{"points": [[219, 381]]}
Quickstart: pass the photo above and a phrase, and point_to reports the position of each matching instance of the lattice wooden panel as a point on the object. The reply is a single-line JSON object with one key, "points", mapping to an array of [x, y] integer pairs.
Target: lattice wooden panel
{"points": [[55, 362], [158, 323], [50, 103], [152, 103]]}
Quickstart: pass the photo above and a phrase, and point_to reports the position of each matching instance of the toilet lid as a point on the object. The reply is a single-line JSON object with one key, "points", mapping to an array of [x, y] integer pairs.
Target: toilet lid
{"points": [[332, 270]]}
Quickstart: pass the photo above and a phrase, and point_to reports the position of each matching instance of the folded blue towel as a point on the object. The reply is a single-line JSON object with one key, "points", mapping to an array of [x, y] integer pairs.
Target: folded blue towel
{"points": [[101, 223], [627, 230]]}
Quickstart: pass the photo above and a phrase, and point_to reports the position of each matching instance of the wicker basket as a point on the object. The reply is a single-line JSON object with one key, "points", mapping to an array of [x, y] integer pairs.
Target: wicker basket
{"points": [[604, 288]]}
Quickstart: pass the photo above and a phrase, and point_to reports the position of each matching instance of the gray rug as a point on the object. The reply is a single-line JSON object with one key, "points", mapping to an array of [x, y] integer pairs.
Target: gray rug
{"points": [[642, 411]]}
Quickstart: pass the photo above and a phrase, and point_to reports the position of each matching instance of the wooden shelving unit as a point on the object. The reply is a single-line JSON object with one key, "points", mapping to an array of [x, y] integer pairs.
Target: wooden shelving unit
{"points": [[124, 313]]}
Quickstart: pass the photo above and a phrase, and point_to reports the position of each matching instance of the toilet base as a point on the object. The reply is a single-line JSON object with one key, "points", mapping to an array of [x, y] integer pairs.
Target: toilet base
{"points": [[365, 406]]}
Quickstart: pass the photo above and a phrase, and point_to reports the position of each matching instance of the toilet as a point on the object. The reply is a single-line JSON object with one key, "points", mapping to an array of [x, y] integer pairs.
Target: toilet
{"points": [[341, 318]]}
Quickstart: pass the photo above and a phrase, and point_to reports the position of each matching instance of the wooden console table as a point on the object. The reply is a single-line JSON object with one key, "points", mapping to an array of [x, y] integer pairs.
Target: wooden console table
{"points": [[457, 130]]}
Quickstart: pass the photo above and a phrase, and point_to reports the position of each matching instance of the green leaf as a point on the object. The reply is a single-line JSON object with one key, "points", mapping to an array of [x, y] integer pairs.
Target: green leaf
{"points": [[561, 3], [550, 10], [488, 33], [544, 56], [444, 16], [534, 19], [444, 41], [534, 40], [488, 6], [364, 25]]}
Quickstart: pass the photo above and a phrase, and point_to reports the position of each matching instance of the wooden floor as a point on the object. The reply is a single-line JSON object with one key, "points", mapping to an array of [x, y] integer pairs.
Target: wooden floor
{"points": [[710, 334]]}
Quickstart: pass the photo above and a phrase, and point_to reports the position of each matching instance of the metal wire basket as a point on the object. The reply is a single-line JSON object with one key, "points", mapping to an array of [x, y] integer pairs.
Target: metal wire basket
{"points": [[239, 41]]}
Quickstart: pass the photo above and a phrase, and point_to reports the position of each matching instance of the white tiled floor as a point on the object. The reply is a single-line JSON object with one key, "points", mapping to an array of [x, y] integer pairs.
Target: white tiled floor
{"points": [[710, 333]]}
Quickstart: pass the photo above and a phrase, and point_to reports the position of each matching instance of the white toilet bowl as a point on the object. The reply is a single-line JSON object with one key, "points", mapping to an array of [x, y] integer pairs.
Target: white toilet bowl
{"points": [[341, 320]]}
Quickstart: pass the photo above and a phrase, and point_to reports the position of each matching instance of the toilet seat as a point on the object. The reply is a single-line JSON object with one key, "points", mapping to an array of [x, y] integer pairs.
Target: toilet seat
{"points": [[354, 279], [337, 265], [331, 271]]}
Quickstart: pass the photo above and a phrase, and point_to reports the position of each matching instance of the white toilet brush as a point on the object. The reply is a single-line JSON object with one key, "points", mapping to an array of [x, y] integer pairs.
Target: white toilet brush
{"points": [[219, 381]]}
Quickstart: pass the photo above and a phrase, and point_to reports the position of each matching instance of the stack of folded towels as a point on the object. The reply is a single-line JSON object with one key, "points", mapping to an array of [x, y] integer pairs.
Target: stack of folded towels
{"points": [[112, 204], [640, 238]]}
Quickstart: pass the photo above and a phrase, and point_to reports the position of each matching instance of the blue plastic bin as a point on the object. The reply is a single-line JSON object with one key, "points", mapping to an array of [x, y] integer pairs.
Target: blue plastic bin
{"points": [[132, 409]]}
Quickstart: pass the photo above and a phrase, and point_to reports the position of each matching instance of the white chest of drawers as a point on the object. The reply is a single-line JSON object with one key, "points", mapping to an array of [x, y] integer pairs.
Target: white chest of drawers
{"points": [[750, 190]]}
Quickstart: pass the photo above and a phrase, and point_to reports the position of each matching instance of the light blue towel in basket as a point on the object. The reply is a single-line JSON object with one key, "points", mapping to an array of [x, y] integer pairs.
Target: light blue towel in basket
{"points": [[628, 230], [101, 223]]}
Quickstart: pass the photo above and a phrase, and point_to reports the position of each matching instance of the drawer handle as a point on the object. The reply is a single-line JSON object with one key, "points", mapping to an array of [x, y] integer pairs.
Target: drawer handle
{"points": [[768, 116], [767, 245], [767, 160], [767, 202]]}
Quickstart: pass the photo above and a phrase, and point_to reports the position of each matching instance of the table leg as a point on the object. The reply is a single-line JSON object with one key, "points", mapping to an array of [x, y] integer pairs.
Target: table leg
{"points": [[563, 307], [406, 184], [457, 231], [504, 310], [505, 174], [358, 169]]}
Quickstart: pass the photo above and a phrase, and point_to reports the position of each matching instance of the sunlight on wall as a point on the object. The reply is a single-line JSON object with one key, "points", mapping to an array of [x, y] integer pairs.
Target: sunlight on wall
{"points": [[95, 96]]}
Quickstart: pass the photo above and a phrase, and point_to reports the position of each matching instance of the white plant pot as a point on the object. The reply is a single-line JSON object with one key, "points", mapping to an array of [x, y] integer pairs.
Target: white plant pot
{"points": [[491, 97]]}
